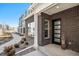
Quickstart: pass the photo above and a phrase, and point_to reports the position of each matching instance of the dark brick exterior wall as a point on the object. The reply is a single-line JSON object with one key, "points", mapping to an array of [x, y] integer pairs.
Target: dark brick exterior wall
{"points": [[42, 40], [69, 27]]}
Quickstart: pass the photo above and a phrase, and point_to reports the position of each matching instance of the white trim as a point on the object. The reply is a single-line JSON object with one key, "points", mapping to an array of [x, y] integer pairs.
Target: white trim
{"points": [[36, 31], [23, 49]]}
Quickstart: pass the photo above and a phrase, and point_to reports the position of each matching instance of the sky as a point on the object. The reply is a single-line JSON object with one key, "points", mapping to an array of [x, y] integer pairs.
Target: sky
{"points": [[10, 13]]}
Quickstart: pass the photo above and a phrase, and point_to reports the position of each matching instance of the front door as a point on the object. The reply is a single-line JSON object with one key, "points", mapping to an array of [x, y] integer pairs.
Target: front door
{"points": [[56, 31]]}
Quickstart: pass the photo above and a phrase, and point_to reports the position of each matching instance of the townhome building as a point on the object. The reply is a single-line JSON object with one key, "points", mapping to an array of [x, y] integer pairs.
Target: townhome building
{"points": [[53, 23]]}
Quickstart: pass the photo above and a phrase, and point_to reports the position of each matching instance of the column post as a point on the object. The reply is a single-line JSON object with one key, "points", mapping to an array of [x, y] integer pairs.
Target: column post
{"points": [[36, 31]]}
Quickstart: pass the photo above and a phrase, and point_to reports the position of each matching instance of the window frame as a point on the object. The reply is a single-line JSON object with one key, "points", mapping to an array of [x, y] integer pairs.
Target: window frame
{"points": [[31, 29], [46, 29]]}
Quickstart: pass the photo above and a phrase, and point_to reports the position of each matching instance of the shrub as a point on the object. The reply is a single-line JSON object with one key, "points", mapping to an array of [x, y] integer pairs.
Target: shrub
{"points": [[22, 41], [9, 50], [26, 43], [16, 45], [6, 49]]}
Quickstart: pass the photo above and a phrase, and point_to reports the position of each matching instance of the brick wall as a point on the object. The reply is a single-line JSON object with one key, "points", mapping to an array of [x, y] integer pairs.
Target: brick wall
{"points": [[70, 27], [42, 40]]}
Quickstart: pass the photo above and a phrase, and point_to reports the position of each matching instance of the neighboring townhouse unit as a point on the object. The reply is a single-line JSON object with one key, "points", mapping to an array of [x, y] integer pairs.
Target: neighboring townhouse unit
{"points": [[53, 23], [1, 31], [21, 28]]}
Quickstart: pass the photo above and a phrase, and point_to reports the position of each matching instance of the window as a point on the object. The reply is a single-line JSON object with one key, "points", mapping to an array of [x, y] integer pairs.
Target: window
{"points": [[31, 29], [46, 28], [23, 30]]}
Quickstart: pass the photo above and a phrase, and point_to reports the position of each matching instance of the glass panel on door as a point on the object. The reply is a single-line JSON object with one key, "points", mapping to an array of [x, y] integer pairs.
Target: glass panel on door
{"points": [[56, 29]]}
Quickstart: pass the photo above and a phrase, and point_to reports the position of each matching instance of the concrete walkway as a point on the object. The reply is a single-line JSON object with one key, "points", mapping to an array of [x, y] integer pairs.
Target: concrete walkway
{"points": [[35, 53], [55, 50], [16, 39]]}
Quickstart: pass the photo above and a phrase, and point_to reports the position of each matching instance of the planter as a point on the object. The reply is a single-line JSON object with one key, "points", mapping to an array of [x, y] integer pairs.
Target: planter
{"points": [[63, 42], [63, 46]]}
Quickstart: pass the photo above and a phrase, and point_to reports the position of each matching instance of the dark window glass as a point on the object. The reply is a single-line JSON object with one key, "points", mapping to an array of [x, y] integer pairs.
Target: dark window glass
{"points": [[46, 33], [23, 30]]}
